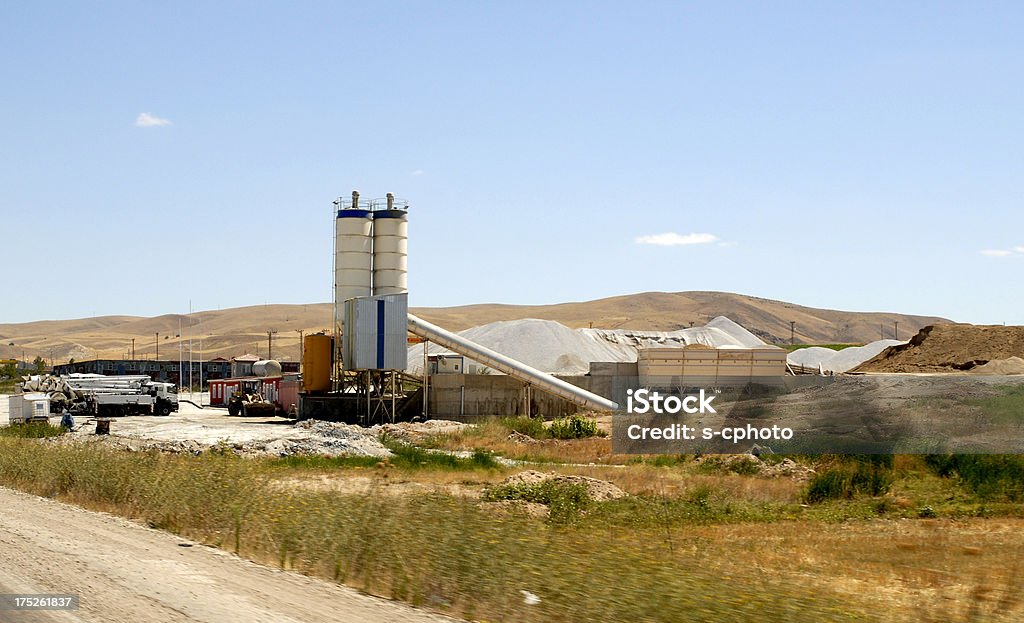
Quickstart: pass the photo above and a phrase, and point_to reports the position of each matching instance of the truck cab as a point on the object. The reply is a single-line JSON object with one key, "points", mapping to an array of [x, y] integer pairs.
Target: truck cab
{"points": [[166, 395]]}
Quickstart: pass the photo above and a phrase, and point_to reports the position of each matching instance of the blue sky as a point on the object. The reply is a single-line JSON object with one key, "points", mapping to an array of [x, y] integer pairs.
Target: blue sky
{"points": [[860, 156]]}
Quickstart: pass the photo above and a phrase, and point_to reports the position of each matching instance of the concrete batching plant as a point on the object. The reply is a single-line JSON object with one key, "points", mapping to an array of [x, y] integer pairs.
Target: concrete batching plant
{"points": [[364, 380]]}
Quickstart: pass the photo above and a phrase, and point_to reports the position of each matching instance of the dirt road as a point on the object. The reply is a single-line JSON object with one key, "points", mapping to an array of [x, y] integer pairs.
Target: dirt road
{"points": [[124, 572]]}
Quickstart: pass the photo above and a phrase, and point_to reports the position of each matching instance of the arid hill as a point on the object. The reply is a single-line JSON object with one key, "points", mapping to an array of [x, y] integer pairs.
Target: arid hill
{"points": [[239, 330]]}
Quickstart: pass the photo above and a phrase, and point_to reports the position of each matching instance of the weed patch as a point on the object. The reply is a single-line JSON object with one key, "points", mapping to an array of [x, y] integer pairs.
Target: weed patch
{"points": [[859, 475], [31, 430], [565, 501], [989, 476], [575, 427]]}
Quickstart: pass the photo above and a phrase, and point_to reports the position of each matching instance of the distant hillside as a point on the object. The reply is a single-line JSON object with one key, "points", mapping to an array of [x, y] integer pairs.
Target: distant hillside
{"points": [[667, 311], [238, 330]]}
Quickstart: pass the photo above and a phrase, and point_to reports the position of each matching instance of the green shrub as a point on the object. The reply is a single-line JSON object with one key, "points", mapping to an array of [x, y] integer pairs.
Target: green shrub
{"points": [[566, 501], [990, 476], [859, 475], [574, 427]]}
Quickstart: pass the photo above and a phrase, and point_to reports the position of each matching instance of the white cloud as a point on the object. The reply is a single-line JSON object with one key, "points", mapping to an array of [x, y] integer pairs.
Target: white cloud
{"points": [[1018, 250], [418, 172], [146, 120], [672, 239]]}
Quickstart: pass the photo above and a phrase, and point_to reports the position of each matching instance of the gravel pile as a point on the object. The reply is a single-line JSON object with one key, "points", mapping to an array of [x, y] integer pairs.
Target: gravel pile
{"points": [[331, 439], [838, 360], [553, 347]]}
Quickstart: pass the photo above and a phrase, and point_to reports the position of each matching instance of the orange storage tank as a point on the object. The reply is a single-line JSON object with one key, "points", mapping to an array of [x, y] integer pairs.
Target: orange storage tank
{"points": [[316, 363]]}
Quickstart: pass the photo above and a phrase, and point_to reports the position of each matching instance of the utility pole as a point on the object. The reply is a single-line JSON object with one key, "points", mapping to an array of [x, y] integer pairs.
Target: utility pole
{"points": [[302, 347], [792, 331], [881, 331], [157, 356], [190, 347], [133, 349], [270, 343], [896, 330]]}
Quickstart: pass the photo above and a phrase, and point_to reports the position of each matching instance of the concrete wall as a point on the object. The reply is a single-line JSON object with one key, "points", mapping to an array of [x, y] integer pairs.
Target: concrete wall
{"points": [[468, 396], [454, 396]]}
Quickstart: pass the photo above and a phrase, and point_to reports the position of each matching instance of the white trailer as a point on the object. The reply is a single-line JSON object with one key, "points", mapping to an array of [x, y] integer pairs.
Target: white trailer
{"points": [[31, 407]]}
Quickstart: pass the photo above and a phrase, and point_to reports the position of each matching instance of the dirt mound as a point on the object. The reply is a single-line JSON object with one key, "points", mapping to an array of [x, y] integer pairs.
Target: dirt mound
{"points": [[413, 432], [751, 464], [949, 348], [1001, 367], [599, 490]]}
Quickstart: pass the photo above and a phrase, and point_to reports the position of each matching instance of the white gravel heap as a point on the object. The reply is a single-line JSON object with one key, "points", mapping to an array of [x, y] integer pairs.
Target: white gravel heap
{"points": [[838, 361], [553, 347]]}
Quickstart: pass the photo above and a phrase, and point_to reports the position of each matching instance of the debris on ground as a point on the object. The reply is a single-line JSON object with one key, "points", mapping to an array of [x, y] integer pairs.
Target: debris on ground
{"points": [[753, 464], [330, 439], [787, 468], [517, 437], [412, 432]]}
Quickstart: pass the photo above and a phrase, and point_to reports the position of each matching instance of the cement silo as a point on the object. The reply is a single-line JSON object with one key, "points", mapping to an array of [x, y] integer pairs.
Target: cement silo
{"points": [[353, 253], [390, 248]]}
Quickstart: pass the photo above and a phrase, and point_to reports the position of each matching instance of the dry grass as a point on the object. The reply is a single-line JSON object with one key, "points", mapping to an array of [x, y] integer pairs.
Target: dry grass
{"points": [[688, 545], [439, 551], [676, 482], [493, 436], [927, 570]]}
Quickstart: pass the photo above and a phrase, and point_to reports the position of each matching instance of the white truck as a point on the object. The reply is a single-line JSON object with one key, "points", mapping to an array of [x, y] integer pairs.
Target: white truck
{"points": [[125, 395], [107, 395]]}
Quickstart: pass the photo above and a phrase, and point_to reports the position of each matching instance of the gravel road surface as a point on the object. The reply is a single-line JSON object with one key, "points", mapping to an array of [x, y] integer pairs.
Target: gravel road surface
{"points": [[125, 572]]}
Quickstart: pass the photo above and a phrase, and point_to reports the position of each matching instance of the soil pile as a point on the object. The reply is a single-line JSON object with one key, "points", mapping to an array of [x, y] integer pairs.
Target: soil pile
{"points": [[950, 348], [1001, 367], [599, 490]]}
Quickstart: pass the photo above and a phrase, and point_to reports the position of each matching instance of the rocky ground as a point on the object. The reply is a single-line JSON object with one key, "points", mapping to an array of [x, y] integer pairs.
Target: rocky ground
{"points": [[194, 429]]}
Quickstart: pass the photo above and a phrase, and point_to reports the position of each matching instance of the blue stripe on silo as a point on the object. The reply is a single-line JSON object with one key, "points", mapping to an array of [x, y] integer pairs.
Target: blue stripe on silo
{"points": [[380, 334], [390, 214], [349, 213]]}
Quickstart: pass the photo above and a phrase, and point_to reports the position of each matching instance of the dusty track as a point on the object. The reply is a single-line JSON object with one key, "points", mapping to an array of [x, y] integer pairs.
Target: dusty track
{"points": [[125, 572]]}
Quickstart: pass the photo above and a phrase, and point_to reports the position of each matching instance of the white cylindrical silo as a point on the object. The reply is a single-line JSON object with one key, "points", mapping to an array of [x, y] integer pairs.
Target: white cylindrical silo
{"points": [[353, 254], [390, 248]]}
